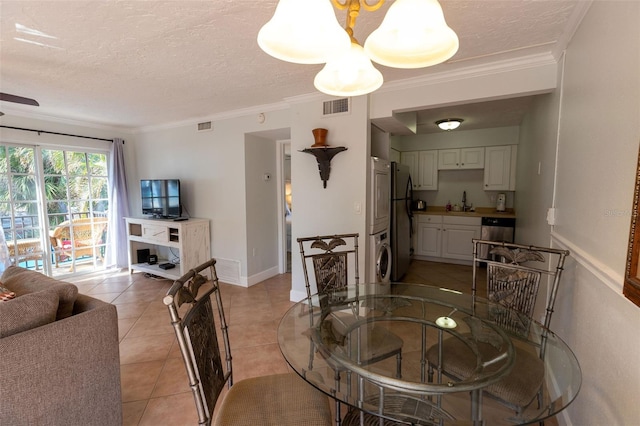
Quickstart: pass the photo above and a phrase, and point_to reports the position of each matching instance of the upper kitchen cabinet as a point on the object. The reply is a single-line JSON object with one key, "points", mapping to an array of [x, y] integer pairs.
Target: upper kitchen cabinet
{"points": [[423, 168], [464, 158], [411, 159], [500, 168]]}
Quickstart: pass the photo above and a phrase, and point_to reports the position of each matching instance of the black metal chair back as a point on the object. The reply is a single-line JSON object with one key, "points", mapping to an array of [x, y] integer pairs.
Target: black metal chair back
{"points": [[197, 336], [329, 256]]}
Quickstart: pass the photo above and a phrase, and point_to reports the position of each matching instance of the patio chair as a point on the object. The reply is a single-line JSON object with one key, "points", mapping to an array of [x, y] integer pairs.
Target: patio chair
{"points": [[78, 238], [275, 400], [28, 249], [513, 281], [328, 257]]}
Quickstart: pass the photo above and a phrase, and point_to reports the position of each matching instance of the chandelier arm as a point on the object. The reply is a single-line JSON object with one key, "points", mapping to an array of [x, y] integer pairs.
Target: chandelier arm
{"points": [[352, 15], [372, 7], [347, 4], [340, 5]]}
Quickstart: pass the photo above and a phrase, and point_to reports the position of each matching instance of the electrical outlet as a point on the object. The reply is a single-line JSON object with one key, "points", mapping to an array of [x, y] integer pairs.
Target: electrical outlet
{"points": [[357, 207]]}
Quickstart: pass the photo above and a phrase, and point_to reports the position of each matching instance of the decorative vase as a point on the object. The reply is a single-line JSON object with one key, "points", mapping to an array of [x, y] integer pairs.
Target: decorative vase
{"points": [[320, 136]]}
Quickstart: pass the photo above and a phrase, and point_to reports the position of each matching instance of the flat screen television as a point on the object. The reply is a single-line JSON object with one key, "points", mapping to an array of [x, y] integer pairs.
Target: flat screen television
{"points": [[161, 197]]}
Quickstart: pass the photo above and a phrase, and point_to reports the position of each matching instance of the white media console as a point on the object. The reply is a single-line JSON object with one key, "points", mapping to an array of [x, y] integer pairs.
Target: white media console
{"points": [[185, 243]]}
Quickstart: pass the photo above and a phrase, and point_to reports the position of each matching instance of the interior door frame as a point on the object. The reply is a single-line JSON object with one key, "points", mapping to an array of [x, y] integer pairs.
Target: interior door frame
{"points": [[284, 146]]}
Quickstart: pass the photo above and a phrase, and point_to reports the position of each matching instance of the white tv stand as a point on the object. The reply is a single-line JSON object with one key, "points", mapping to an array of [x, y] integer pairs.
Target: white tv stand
{"points": [[185, 243]]}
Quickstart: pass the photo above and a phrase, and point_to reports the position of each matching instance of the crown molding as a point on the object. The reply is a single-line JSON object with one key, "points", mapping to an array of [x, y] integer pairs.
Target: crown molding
{"points": [[227, 115], [13, 112], [456, 73]]}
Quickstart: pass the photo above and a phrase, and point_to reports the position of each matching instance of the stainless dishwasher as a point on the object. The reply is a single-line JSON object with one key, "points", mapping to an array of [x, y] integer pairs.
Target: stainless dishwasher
{"points": [[496, 229]]}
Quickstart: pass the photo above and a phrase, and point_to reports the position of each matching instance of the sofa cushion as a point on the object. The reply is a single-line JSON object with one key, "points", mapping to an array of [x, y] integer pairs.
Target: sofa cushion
{"points": [[23, 281], [26, 312]]}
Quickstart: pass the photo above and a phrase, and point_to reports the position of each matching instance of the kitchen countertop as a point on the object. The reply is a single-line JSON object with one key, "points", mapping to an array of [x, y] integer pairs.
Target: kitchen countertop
{"points": [[479, 212]]}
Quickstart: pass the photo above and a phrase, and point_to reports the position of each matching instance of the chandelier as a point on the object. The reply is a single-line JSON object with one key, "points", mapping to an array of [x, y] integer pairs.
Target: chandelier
{"points": [[413, 34]]}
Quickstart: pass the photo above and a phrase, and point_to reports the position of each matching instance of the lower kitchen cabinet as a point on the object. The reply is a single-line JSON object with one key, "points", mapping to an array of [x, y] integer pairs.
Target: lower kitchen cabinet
{"points": [[456, 241], [429, 236], [446, 238]]}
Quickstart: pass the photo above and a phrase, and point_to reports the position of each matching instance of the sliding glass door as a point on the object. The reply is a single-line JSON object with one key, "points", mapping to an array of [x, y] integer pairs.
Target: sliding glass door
{"points": [[20, 206], [53, 207]]}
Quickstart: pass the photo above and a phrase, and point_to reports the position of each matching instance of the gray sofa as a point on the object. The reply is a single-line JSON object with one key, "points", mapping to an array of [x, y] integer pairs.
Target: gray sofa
{"points": [[59, 354]]}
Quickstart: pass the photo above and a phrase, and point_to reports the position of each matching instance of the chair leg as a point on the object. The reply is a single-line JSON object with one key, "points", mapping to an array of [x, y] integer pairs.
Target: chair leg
{"points": [[399, 365], [338, 416]]}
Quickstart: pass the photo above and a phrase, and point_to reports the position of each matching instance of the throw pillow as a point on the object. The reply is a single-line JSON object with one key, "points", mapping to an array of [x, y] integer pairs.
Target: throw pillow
{"points": [[26, 312], [24, 281]]}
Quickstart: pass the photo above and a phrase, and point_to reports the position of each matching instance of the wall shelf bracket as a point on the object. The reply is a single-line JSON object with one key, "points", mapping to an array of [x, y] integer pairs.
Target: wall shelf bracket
{"points": [[324, 155]]}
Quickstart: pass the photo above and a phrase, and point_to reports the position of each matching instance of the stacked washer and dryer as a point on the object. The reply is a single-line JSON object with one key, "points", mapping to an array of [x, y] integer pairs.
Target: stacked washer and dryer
{"points": [[379, 257]]}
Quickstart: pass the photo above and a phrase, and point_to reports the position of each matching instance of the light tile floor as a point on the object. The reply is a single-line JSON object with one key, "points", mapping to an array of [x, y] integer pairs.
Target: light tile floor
{"points": [[154, 383]]}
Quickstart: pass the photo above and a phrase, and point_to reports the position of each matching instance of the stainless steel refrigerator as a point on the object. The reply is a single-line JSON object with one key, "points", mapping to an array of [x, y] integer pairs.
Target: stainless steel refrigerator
{"points": [[401, 220]]}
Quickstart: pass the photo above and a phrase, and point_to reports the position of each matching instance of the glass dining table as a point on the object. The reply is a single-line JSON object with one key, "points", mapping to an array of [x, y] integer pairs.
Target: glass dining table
{"points": [[324, 338]]}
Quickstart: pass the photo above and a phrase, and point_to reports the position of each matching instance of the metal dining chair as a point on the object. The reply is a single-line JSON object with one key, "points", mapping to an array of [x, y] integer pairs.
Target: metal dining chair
{"points": [[275, 400], [328, 256], [514, 276]]}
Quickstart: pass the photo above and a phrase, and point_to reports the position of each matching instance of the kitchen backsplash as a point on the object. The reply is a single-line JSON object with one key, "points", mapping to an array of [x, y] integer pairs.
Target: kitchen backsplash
{"points": [[451, 185]]}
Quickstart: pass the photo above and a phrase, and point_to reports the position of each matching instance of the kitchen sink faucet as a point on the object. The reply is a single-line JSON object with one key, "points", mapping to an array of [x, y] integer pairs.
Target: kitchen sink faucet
{"points": [[465, 207]]}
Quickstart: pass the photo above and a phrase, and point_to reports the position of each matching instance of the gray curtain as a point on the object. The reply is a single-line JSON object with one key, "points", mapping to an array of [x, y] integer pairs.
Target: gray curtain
{"points": [[116, 255]]}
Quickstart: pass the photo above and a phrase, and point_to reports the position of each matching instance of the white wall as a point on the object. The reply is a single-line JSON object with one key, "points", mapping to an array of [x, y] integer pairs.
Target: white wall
{"points": [[262, 208], [211, 167], [330, 210], [535, 174], [598, 149], [380, 143], [458, 139]]}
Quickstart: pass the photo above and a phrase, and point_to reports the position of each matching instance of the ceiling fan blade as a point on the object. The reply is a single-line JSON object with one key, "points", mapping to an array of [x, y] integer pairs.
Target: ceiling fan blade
{"points": [[18, 99]]}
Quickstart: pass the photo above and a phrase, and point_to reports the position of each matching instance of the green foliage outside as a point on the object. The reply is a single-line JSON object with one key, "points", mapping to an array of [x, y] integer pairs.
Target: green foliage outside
{"points": [[74, 182]]}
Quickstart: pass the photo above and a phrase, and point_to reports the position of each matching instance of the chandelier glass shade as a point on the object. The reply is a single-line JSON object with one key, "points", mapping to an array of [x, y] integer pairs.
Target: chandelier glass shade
{"points": [[350, 74], [413, 34], [303, 32]]}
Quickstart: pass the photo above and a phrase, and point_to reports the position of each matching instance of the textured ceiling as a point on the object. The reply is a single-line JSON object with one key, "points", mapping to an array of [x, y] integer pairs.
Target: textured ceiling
{"points": [[132, 64]]}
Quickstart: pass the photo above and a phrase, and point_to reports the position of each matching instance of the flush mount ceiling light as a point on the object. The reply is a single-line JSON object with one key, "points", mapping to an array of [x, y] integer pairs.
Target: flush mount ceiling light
{"points": [[413, 34], [449, 123]]}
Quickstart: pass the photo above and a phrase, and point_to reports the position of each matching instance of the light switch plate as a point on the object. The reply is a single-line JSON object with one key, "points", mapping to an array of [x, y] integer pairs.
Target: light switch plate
{"points": [[551, 216]]}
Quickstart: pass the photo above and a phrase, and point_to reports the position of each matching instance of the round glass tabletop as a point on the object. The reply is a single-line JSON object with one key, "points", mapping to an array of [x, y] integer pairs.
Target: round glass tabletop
{"points": [[414, 354]]}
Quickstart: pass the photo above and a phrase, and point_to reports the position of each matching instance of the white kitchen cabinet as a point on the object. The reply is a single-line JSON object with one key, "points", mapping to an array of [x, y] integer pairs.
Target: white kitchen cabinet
{"points": [[463, 158], [456, 241], [446, 238], [429, 236], [184, 243], [500, 168], [428, 170], [423, 168], [457, 233], [411, 159]]}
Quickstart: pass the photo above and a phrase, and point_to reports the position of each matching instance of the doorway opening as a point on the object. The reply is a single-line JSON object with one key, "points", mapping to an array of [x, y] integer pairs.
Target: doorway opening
{"points": [[286, 199]]}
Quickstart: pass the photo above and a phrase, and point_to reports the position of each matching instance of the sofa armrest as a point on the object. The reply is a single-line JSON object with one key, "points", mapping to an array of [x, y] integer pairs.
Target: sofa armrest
{"points": [[66, 372]]}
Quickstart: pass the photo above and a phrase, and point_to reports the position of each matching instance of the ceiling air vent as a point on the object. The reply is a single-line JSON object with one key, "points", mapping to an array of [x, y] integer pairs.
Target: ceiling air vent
{"points": [[205, 127], [338, 106]]}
